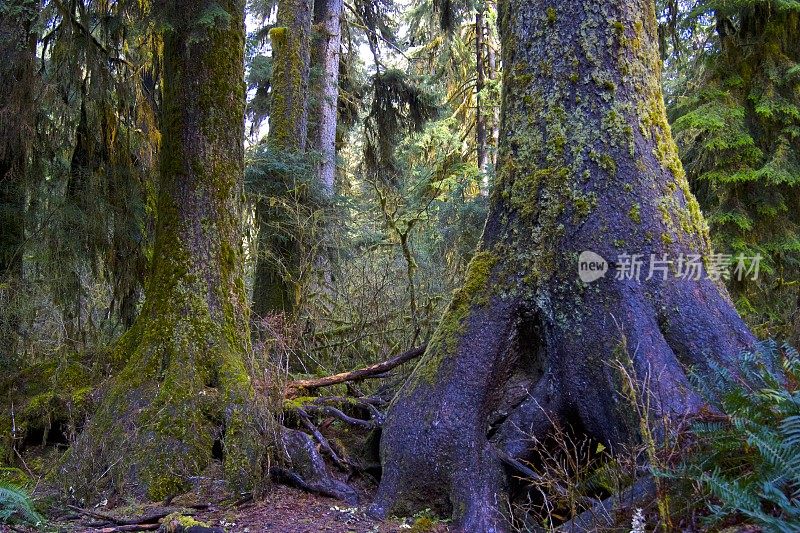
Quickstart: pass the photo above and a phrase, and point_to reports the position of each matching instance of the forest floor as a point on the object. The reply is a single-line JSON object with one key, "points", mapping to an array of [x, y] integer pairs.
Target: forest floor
{"points": [[285, 509], [280, 510]]}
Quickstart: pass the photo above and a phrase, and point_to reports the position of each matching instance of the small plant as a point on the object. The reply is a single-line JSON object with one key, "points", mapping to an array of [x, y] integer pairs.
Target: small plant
{"points": [[748, 460], [16, 506]]}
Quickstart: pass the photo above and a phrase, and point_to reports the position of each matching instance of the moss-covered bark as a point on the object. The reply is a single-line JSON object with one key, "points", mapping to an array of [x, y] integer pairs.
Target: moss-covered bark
{"points": [[185, 384], [276, 283], [17, 89], [586, 163]]}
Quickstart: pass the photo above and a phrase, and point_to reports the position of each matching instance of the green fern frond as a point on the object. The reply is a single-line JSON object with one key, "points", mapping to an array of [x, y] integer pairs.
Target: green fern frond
{"points": [[16, 505]]}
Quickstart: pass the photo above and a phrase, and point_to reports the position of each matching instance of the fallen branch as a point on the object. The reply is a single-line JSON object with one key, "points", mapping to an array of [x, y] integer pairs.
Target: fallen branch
{"points": [[145, 519], [130, 527], [295, 388]]}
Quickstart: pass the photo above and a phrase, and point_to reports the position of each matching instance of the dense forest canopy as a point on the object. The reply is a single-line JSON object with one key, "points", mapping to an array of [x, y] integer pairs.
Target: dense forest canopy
{"points": [[463, 265]]}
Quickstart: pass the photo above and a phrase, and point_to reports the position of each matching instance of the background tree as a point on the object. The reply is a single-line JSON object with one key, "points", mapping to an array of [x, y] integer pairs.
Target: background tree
{"points": [[587, 162], [17, 90], [735, 113], [277, 281], [185, 385], [90, 117], [326, 51]]}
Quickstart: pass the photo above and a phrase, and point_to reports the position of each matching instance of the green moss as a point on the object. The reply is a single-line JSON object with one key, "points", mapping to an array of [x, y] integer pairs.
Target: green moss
{"points": [[474, 293], [635, 213], [552, 15], [176, 523], [298, 403]]}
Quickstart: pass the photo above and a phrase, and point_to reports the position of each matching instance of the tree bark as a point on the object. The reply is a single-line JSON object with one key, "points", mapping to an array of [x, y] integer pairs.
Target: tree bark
{"points": [[480, 84], [587, 162], [17, 79], [325, 56], [185, 384], [275, 287]]}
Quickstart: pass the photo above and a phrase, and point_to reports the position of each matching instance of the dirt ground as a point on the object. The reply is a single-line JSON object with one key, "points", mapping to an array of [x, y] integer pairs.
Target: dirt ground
{"points": [[281, 510], [289, 510]]}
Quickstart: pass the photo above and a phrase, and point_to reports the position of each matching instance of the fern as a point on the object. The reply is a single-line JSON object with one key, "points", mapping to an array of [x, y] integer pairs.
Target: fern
{"points": [[750, 465], [16, 505]]}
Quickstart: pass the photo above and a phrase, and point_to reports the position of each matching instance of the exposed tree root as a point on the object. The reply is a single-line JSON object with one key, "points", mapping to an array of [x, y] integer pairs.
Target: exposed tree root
{"points": [[308, 470], [606, 513], [111, 519]]}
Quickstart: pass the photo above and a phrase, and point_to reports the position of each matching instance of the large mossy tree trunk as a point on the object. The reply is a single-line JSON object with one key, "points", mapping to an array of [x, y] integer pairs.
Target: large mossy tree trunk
{"points": [[276, 284], [185, 387], [586, 162], [17, 89]]}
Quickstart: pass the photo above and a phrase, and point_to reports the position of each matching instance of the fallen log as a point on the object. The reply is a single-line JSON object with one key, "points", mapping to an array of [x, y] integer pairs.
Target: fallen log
{"points": [[130, 527], [144, 519], [298, 387]]}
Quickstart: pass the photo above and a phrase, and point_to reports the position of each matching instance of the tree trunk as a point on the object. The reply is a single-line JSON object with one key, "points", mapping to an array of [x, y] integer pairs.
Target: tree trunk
{"points": [[185, 389], [492, 63], [18, 47], [480, 84], [325, 52], [276, 285], [586, 162]]}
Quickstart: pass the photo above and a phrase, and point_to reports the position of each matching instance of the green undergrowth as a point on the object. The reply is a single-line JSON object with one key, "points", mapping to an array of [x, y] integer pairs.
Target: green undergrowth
{"points": [[745, 464], [16, 506]]}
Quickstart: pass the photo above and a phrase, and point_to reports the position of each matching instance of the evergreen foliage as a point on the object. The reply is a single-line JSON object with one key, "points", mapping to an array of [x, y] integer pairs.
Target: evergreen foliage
{"points": [[748, 462], [735, 111]]}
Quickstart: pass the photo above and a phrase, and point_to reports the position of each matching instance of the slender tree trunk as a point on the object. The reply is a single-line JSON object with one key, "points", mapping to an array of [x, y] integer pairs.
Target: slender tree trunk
{"points": [[587, 162], [480, 84], [492, 62], [17, 76], [185, 384], [276, 284], [325, 56]]}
